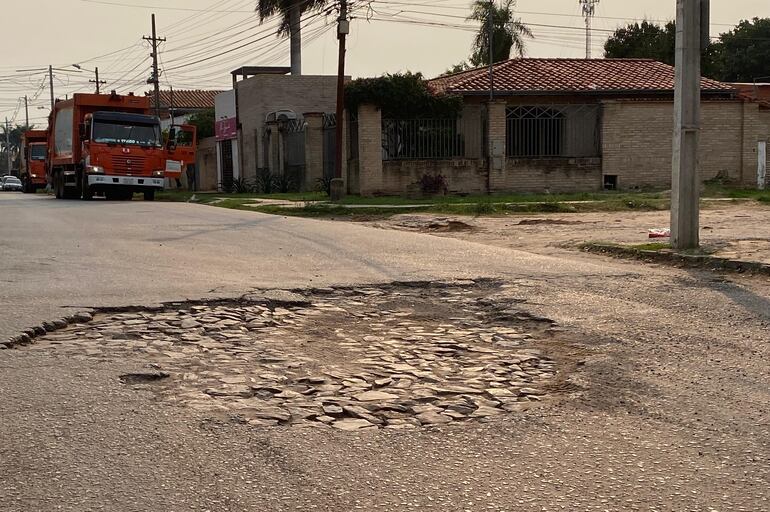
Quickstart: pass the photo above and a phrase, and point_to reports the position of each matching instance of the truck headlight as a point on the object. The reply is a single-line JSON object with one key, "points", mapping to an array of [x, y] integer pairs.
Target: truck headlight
{"points": [[33, 175], [158, 174], [95, 169]]}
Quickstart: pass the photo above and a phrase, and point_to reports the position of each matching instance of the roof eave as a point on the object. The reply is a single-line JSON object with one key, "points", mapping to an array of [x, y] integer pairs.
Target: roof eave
{"points": [[605, 92]]}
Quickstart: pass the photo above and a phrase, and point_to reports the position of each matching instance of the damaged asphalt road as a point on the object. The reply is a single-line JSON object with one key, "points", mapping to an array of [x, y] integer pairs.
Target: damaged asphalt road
{"points": [[665, 408]]}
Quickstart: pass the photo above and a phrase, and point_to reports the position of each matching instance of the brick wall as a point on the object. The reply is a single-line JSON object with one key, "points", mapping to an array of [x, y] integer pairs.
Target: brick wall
{"points": [[549, 175], [637, 141], [462, 176], [262, 94], [369, 165]]}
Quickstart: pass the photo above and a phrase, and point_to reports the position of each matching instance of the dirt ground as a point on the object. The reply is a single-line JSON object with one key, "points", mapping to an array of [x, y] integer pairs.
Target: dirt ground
{"points": [[735, 230]]}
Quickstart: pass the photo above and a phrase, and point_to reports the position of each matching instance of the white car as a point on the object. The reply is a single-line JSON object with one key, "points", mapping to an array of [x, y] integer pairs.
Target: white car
{"points": [[11, 183]]}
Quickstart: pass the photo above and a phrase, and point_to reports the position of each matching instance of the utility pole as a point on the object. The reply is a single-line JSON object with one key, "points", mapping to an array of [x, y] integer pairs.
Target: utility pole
{"points": [[589, 9], [26, 111], [490, 37], [97, 81], [50, 80], [8, 145], [155, 77], [692, 17], [343, 29]]}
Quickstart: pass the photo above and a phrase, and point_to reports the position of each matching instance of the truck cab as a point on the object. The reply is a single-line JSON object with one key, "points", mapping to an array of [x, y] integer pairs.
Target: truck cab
{"points": [[119, 149], [34, 151]]}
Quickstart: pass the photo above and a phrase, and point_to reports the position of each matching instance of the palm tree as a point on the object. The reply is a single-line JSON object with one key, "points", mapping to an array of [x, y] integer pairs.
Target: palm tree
{"points": [[292, 11], [508, 32]]}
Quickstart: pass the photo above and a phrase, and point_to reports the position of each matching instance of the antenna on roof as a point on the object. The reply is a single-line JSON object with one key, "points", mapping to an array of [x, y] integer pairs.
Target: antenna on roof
{"points": [[589, 9]]}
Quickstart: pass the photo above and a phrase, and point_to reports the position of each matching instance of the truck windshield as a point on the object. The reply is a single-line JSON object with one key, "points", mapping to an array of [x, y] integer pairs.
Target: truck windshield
{"points": [[37, 152], [121, 133]]}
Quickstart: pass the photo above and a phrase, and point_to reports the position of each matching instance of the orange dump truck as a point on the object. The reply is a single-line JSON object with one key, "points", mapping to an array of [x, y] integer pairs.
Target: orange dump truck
{"points": [[105, 144], [34, 150]]}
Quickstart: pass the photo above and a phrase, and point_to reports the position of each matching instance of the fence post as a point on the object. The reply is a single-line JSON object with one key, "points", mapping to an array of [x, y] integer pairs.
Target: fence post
{"points": [[314, 157], [761, 164], [370, 149]]}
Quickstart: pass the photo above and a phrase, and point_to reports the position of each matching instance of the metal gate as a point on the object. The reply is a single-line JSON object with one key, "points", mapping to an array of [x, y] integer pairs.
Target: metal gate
{"points": [[294, 153], [227, 165], [329, 145]]}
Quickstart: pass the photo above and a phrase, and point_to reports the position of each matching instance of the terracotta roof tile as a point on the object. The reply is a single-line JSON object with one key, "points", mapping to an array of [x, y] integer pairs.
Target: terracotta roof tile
{"points": [[550, 76], [184, 100]]}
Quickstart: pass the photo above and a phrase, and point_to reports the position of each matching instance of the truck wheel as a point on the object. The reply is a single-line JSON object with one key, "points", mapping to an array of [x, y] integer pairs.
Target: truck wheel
{"points": [[25, 187], [86, 192], [149, 195], [57, 186]]}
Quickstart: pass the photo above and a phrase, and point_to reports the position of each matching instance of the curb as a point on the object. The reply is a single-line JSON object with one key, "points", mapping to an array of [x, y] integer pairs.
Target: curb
{"points": [[28, 335], [687, 260]]}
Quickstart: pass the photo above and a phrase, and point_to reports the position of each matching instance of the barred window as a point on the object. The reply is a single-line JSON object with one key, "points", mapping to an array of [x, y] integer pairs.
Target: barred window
{"points": [[549, 131]]}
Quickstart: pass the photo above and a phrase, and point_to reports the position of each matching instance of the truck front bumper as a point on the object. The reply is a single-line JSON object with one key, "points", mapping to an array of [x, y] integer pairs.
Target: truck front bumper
{"points": [[127, 181]]}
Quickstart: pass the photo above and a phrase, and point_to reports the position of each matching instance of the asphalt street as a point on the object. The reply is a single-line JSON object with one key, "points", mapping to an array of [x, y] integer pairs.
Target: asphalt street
{"points": [[668, 411], [70, 253]]}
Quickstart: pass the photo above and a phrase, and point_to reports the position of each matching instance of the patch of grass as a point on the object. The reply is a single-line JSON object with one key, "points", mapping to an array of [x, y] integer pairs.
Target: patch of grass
{"points": [[717, 190]]}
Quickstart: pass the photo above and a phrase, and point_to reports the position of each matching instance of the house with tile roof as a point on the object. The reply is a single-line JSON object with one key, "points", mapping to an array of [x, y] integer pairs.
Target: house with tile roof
{"points": [[559, 125], [177, 106]]}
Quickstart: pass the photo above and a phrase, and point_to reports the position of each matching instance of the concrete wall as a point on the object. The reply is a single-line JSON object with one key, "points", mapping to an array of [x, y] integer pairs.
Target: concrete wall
{"points": [[207, 165], [262, 94], [637, 141]]}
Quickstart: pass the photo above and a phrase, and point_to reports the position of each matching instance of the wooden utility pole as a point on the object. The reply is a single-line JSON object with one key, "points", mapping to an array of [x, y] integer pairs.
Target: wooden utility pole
{"points": [[50, 83], [26, 111], [97, 81], [8, 145], [155, 80], [692, 18], [343, 29]]}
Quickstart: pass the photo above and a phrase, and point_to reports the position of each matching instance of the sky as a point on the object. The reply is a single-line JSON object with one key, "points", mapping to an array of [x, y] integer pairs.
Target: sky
{"points": [[206, 39]]}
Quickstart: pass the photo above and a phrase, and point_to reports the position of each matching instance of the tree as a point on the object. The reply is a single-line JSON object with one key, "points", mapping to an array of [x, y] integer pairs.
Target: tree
{"points": [[643, 41], [291, 24], [14, 145], [508, 32], [204, 122], [457, 68], [743, 54]]}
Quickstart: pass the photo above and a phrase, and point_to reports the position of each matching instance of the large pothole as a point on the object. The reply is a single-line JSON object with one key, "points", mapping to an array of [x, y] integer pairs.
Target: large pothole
{"points": [[394, 356]]}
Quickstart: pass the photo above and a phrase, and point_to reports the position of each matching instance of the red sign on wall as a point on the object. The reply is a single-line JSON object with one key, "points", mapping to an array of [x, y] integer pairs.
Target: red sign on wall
{"points": [[226, 129]]}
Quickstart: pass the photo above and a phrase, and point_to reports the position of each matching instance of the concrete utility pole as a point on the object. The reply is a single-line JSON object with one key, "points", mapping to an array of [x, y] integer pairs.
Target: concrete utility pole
{"points": [[155, 80], [343, 29], [490, 37], [691, 18], [50, 80], [589, 9]]}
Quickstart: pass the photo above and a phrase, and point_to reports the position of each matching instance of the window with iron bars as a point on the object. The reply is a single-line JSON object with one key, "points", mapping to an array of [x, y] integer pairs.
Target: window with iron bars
{"points": [[553, 131]]}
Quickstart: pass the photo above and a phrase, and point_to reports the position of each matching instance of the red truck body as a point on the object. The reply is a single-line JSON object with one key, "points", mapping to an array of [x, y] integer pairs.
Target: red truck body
{"points": [[34, 151], [105, 143]]}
